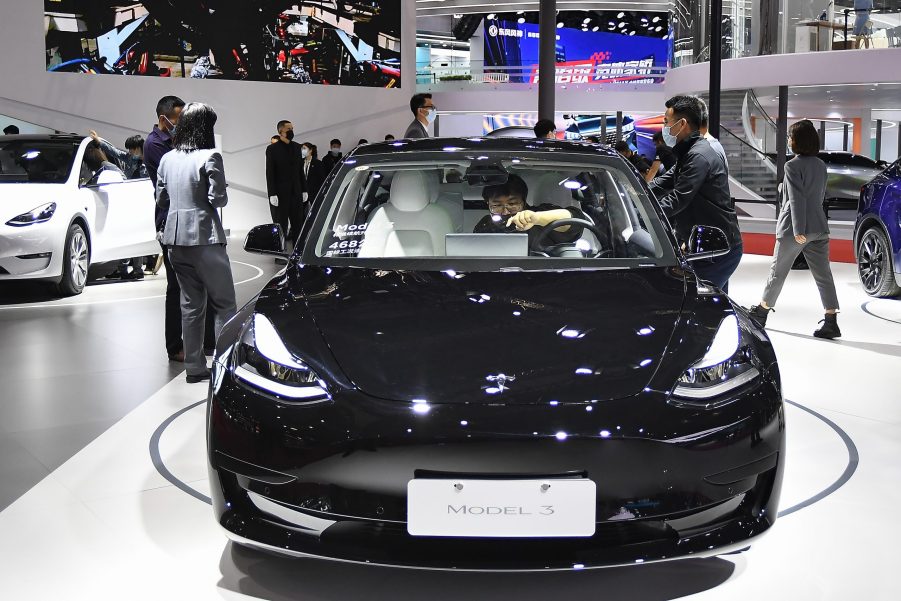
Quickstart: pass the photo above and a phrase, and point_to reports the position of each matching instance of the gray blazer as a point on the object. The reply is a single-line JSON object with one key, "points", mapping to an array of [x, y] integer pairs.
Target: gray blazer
{"points": [[802, 206], [416, 130], [191, 186]]}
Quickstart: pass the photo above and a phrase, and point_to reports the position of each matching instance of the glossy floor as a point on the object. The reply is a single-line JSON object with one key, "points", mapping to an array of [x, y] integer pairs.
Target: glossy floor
{"points": [[105, 524]]}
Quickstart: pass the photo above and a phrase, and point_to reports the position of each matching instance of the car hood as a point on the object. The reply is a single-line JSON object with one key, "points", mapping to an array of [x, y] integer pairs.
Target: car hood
{"points": [[522, 337]]}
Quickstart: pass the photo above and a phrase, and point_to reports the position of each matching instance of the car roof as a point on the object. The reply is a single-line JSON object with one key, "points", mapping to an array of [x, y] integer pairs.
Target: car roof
{"points": [[484, 144], [43, 138]]}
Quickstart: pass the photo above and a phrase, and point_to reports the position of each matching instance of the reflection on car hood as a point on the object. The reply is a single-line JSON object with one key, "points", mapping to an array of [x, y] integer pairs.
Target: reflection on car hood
{"points": [[523, 337]]}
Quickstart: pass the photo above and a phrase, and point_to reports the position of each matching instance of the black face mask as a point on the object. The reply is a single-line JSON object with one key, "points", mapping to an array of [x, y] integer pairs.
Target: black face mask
{"points": [[289, 134]]}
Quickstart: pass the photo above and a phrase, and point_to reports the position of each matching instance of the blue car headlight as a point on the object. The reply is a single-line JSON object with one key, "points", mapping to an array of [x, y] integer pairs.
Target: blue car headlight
{"points": [[37, 215], [262, 361], [725, 367]]}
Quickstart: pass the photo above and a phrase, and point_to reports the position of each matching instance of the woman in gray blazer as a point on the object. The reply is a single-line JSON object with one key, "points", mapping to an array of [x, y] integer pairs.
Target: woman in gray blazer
{"points": [[802, 228], [191, 187]]}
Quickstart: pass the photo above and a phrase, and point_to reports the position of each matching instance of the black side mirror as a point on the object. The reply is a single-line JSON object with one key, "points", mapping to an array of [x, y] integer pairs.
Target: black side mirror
{"points": [[266, 240], [706, 242]]}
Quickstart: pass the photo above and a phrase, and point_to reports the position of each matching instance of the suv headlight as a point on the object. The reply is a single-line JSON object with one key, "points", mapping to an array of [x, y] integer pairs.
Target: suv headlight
{"points": [[725, 367], [37, 215], [263, 361]]}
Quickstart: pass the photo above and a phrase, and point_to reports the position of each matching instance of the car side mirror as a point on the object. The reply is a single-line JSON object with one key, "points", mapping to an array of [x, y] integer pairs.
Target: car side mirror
{"points": [[266, 240], [706, 242]]}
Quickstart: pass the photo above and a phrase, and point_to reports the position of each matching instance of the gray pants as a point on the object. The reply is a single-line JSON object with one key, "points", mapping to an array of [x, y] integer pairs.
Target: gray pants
{"points": [[816, 251], [203, 272]]}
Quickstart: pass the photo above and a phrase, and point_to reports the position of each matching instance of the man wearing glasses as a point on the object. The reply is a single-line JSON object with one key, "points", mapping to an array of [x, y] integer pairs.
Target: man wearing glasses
{"points": [[425, 112], [696, 190]]}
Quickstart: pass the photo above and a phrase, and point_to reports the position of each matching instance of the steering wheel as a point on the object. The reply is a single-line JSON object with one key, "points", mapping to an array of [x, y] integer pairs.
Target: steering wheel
{"points": [[541, 240]]}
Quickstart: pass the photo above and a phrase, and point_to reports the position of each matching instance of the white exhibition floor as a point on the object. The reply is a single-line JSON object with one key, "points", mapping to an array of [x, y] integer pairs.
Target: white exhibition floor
{"points": [[107, 525]]}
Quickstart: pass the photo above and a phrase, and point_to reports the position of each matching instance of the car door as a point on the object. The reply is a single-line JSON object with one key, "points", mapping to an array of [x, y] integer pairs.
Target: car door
{"points": [[123, 222]]}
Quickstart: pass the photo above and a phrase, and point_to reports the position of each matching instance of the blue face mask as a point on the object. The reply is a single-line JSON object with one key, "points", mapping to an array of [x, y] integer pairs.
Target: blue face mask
{"points": [[431, 116], [668, 137], [172, 125]]}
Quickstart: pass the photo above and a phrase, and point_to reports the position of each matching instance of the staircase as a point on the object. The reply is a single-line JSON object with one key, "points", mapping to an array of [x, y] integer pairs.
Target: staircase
{"points": [[746, 165]]}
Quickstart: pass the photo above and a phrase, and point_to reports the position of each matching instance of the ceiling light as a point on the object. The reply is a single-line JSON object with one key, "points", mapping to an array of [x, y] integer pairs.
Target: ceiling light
{"points": [[560, 25], [620, 15], [631, 33], [655, 19], [595, 28], [658, 28], [587, 20], [621, 25], [521, 20], [491, 16]]}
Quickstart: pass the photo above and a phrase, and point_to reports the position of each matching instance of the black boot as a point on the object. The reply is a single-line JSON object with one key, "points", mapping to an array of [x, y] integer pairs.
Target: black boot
{"points": [[830, 327], [759, 315]]}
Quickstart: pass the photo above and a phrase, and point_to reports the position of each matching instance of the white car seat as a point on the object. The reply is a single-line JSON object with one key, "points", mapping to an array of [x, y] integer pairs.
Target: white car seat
{"points": [[409, 225], [452, 203]]}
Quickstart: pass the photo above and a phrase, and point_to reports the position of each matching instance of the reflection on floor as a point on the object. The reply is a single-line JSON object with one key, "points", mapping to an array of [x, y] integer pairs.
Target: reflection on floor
{"points": [[106, 525]]}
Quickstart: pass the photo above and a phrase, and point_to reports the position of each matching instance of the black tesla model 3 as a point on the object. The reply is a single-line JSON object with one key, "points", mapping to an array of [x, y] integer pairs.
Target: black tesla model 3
{"points": [[434, 382]]}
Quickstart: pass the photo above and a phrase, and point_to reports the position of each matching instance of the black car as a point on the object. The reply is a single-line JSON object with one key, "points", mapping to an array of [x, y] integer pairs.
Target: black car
{"points": [[411, 393]]}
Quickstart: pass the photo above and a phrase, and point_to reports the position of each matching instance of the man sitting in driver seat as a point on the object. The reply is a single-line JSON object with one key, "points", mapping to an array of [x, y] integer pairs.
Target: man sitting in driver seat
{"points": [[510, 212]]}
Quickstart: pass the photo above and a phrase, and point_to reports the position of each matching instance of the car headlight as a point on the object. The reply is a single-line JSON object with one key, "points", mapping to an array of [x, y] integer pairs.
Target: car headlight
{"points": [[37, 215], [725, 367], [263, 361]]}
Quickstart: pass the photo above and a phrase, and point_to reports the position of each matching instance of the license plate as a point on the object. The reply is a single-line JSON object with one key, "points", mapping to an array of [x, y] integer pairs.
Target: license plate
{"points": [[501, 508]]}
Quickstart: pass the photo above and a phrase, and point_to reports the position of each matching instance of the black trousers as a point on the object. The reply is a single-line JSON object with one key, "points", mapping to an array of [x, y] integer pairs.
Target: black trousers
{"points": [[174, 343]]}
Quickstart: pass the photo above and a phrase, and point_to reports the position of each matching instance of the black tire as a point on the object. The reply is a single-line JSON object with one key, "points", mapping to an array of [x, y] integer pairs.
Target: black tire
{"points": [[76, 262], [874, 264]]}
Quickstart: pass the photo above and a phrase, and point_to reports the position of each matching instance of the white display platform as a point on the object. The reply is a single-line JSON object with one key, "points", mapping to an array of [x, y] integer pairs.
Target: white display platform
{"points": [[107, 525]]}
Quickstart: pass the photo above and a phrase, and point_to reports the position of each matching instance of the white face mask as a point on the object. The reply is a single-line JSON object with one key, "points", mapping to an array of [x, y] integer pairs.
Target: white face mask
{"points": [[304, 152], [668, 137]]}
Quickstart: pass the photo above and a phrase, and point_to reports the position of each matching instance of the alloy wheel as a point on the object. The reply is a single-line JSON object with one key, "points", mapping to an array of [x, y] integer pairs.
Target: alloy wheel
{"points": [[78, 255], [871, 261]]}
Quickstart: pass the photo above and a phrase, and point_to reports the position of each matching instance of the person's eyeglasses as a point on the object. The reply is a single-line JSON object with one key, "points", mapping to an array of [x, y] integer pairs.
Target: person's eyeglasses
{"points": [[502, 208]]}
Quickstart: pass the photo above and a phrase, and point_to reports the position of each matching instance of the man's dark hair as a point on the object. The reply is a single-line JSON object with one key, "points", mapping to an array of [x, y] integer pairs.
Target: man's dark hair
{"points": [[133, 142], [623, 146], [10, 130], [513, 186], [281, 124], [335, 142], [690, 108], [418, 101], [658, 137], [705, 114], [544, 127], [389, 138], [195, 128], [805, 138], [362, 141], [94, 156], [167, 105]]}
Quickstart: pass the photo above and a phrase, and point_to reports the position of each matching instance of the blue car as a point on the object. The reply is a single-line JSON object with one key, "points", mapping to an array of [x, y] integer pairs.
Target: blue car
{"points": [[877, 234]]}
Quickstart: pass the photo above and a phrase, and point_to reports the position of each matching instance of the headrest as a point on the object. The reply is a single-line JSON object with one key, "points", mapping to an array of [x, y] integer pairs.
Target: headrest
{"points": [[410, 191], [549, 190], [434, 179]]}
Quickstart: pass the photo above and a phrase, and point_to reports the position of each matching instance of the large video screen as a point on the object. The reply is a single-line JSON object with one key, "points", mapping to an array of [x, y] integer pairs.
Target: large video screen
{"points": [[327, 42], [583, 57]]}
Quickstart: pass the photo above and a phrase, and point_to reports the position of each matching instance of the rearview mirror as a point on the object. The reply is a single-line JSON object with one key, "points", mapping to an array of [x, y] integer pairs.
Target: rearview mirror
{"points": [[266, 240], [706, 242]]}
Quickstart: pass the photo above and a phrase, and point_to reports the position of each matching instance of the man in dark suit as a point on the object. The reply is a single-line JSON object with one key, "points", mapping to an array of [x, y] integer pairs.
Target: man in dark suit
{"points": [[425, 112], [284, 180]]}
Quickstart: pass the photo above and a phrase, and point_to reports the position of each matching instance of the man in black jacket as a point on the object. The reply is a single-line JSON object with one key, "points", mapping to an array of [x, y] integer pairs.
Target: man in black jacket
{"points": [[284, 181], [696, 190]]}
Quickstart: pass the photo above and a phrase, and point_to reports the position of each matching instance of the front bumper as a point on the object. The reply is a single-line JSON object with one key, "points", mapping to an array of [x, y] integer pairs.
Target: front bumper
{"points": [[330, 480], [31, 252]]}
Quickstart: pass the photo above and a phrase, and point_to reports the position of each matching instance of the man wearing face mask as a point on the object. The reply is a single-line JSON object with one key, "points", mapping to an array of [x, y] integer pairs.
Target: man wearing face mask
{"points": [[696, 190], [157, 144], [425, 112], [333, 157], [284, 181]]}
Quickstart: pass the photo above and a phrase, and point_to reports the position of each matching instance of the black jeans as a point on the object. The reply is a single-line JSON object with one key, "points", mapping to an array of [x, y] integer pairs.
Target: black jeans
{"points": [[720, 269], [174, 342]]}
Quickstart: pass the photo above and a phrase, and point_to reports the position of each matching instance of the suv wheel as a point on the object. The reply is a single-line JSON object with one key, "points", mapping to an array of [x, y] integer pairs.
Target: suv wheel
{"points": [[874, 264], [76, 260]]}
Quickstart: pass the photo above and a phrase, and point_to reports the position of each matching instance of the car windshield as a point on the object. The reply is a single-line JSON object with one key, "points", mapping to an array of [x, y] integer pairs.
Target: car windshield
{"points": [[461, 211], [36, 161]]}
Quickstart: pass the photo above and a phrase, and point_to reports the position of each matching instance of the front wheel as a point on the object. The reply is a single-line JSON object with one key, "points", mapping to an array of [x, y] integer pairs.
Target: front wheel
{"points": [[76, 260], [874, 264]]}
